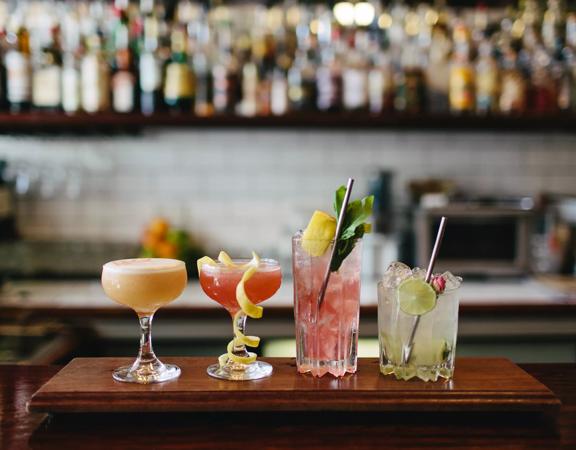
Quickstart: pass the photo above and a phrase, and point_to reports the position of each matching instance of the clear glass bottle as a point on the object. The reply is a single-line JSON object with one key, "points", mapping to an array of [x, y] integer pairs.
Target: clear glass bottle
{"points": [[47, 72]]}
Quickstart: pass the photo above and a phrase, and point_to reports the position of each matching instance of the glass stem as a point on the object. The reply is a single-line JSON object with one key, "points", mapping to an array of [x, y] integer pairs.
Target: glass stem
{"points": [[146, 354], [240, 325]]}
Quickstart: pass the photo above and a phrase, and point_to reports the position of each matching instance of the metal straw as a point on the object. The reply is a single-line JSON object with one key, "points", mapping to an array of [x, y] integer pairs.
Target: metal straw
{"points": [[339, 224], [439, 235]]}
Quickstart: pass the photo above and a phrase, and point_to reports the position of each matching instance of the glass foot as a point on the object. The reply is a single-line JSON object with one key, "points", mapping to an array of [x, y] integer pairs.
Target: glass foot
{"points": [[254, 371], [147, 373]]}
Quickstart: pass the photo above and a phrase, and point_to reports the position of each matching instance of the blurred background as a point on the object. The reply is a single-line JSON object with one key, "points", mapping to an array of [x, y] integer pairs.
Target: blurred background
{"points": [[179, 128]]}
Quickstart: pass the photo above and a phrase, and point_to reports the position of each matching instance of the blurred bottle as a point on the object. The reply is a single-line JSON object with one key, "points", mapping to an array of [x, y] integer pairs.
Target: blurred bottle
{"points": [[513, 90], [553, 26], [462, 76], [18, 67], [329, 84], [47, 72], [124, 78], [150, 67], [409, 81], [542, 93], [438, 70], [95, 77], [226, 83], [487, 80], [381, 84], [567, 85], [302, 92], [8, 229], [355, 81], [70, 68], [178, 82]]}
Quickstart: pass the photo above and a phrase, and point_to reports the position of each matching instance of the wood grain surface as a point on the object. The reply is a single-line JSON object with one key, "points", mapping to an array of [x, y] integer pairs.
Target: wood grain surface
{"points": [[20, 429], [480, 384]]}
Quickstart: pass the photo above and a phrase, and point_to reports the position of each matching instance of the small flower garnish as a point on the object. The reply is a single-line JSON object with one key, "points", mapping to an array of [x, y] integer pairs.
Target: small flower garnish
{"points": [[438, 283]]}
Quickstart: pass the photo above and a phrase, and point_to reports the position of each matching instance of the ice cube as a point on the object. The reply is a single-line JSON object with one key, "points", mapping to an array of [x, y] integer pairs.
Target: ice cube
{"points": [[395, 274], [417, 272], [452, 281]]}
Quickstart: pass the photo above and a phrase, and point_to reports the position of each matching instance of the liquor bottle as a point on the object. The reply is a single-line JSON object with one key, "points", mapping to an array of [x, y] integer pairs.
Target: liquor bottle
{"points": [[18, 70], [355, 82], [381, 84], [178, 83], [70, 83], [203, 105], [567, 87], [225, 83], [279, 93], [47, 74], [8, 230], [542, 94], [3, 102], [438, 71], [553, 26], [150, 68], [124, 80], [302, 91], [409, 82], [95, 77], [249, 104], [513, 89], [487, 80], [70, 64], [462, 79], [328, 82]]}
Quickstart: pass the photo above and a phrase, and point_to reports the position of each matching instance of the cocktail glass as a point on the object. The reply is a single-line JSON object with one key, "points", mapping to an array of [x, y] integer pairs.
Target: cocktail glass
{"points": [[219, 282], [433, 347], [326, 334], [145, 285]]}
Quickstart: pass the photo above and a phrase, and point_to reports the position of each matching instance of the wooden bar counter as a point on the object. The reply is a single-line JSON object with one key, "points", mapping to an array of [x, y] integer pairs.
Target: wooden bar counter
{"points": [[20, 429]]}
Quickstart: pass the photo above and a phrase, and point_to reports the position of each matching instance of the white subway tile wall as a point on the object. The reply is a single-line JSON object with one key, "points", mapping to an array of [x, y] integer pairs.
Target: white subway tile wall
{"points": [[244, 189]]}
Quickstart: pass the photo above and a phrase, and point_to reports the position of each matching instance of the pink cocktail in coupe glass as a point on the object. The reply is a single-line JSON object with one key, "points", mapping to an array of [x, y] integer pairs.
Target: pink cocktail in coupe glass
{"points": [[219, 282]]}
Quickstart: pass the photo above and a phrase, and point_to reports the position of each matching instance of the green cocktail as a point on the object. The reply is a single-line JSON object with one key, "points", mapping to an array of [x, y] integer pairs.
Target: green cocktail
{"points": [[404, 298]]}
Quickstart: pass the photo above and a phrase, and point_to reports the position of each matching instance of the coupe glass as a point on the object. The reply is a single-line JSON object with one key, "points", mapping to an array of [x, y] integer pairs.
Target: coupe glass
{"points": [[145, 285], [219, 283]]}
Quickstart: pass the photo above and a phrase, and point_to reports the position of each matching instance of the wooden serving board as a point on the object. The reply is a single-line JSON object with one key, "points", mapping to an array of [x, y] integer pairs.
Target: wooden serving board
{"points": [[479, 384]]}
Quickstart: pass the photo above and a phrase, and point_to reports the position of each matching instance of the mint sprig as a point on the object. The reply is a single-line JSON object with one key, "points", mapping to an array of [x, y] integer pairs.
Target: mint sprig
{"points": [[354, 226]]}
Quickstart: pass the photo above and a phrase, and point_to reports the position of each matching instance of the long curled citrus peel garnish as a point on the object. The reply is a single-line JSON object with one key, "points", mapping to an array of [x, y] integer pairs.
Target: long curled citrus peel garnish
{"points": [[246, 307]]}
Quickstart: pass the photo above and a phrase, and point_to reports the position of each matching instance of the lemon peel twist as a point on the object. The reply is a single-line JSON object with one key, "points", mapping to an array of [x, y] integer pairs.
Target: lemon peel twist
{"points": [[246, 307]]}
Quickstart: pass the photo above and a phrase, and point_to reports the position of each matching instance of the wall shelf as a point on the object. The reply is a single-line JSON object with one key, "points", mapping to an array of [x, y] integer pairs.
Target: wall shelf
{"points": [[57, 122]]}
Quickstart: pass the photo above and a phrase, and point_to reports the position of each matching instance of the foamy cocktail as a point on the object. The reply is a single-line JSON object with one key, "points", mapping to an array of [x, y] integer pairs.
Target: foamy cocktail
{"points": [[145, 285]]}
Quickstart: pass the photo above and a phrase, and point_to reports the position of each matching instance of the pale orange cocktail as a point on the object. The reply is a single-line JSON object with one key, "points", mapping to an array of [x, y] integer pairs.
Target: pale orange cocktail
{"points": [[145, 285]]}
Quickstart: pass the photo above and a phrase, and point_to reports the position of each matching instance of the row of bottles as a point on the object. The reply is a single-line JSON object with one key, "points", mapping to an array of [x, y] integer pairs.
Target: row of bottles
{"points": [[251, 59]]}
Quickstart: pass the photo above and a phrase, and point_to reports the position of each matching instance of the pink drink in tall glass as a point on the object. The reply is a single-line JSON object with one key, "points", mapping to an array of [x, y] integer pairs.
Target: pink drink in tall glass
{"points": [[326, 336]]}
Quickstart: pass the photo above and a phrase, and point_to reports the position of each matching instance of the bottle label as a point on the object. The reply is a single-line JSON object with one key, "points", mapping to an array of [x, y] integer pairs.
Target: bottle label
{"points": [[17, 77], [6, 206], [123, 92], [46, 87], [150, 76], [70, 90], [178, 81]]}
